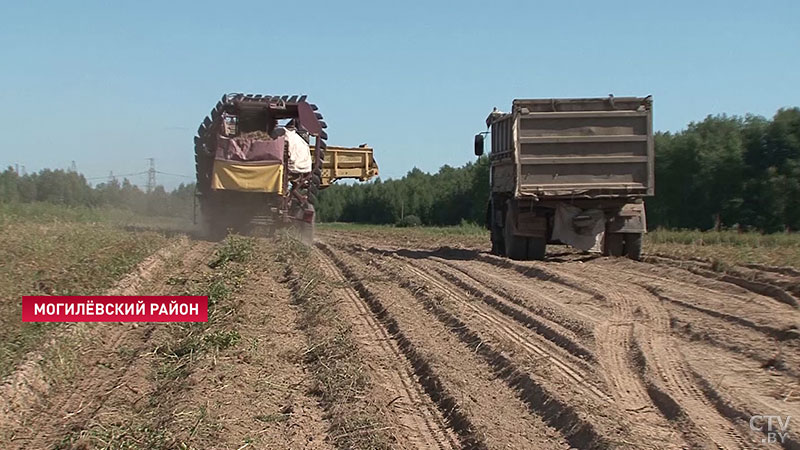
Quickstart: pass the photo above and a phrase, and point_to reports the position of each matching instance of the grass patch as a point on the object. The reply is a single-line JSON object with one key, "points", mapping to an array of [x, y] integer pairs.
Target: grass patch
{"points": [[234, 249], [42, 212], [340, 375], [44, 255], [184, 344], [115, 438], [726, 248], [220, 340], [179, 350], [729, 238]]}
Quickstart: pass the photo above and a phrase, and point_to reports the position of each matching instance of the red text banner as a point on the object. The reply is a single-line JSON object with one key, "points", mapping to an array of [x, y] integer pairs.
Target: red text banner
{"points": [[94, 308]]}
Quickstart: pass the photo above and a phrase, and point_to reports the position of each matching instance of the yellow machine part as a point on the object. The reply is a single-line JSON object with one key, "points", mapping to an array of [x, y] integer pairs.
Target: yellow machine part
{"points": [[247, 177], [348, 162]]}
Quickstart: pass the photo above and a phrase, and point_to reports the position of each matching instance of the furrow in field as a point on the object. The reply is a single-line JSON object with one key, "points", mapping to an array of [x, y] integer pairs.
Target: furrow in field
{"points": [[99, 370], [538, 343], [539, 338], [420, 423], [454, 373], [613, 336], [550, 298], [482, 329], [618, 337]]}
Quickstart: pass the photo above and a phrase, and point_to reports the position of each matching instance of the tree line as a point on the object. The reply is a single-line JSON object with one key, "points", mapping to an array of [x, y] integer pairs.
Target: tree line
{"points": [[447, 197], [722, 172], [70, 188]]}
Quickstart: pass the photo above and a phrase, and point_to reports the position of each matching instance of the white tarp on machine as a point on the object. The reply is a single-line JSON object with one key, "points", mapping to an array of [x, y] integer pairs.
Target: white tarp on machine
{"points": [[299, 153]]}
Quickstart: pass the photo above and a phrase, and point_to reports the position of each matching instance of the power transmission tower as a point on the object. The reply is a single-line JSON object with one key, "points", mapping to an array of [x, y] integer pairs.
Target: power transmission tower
{"points": [[111, 178], [73, 167], [151, 175]]}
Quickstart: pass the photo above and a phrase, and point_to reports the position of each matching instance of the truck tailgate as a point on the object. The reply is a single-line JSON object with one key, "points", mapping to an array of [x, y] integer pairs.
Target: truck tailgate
{"points": [[584, 147]]}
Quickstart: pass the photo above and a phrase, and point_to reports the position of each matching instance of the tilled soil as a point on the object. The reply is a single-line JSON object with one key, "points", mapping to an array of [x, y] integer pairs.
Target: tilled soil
{"points": [[601, 352], [461, 349]]}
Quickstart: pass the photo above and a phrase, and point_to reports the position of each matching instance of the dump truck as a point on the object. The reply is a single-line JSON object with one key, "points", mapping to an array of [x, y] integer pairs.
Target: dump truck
{"points": [[261, 161], [570, 171]]}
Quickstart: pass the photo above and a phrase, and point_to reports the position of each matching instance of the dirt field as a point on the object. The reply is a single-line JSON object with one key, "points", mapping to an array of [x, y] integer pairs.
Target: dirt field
{"points": [[392, 339]]}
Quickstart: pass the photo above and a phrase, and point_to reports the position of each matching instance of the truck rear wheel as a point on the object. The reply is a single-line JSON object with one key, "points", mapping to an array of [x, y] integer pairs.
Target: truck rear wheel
{"points": [[633, 246], [614, 244], [516, 247], [495, 231], [497, 241], [537, 247]]}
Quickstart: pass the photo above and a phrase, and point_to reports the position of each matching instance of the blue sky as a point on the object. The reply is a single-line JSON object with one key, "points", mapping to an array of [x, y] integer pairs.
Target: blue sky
{"points": [[109, 84]]}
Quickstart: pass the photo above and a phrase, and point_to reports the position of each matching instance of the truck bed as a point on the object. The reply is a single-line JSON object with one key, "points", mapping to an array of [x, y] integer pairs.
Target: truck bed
{"points": [[585, 148]]}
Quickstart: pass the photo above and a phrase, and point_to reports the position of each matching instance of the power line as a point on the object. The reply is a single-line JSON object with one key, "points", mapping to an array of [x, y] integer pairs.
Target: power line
{"points": [[174, 174], [150, 172], [117, 176]]}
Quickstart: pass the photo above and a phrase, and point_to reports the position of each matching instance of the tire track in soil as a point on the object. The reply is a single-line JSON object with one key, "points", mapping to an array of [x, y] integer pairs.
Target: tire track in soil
{"points": [[617, 352], [544, 306], [742, 405], [724, 400], [732, 341], [578, 432], [84, 397], [777, 293], [422, 423], [677, 294], [576, 372], [614, 337], [742, 388], [703, 314], [614, 340], [428, 379], [735, 411], [656, 427], [780, 334], [780, 270], [641, 270], [674, 390]]}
